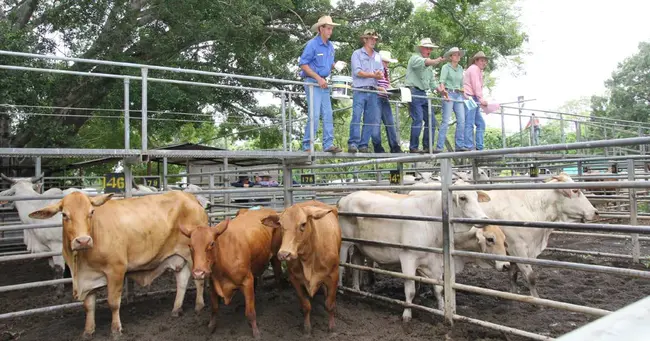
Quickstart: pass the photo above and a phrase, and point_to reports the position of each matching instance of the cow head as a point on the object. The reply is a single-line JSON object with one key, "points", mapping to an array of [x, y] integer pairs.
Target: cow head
{"points": [[571, 203], [483, 175], [21, 185], [490, 240], [466, 203], [297, 224], [493, 241], [77, 211], [203, 240]]}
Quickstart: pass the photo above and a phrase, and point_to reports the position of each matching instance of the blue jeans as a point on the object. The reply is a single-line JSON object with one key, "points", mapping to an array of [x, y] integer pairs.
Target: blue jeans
{"points": [[419, 111], [322, 106], [473, 117], [459, 109], [368, 104], [389, 122]]}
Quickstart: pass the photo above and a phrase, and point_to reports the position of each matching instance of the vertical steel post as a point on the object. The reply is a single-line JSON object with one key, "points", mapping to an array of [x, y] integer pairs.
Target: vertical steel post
{"points": [[289, 108], [128, 193], [226, 184], [562, 137], [164, 173], [636, 252], [474, 170], [448, 242], [580, 168], [520, 104], [284, 122], [127, 116], [605, 138], [643, 146], [431, 130], [145, 72], [38, 171], [211, 186], [287, 183], [503, 129]]}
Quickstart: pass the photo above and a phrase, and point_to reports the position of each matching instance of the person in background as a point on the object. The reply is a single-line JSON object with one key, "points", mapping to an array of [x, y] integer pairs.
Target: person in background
{"points": [[535, 128], [316, 62], [264, 180], [243, 182], [420, 78], [473, 87], [384, 105], [451, 80], [366, 70]]}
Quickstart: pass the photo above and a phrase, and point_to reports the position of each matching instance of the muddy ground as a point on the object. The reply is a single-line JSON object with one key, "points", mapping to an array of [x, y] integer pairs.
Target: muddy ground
{"points": [[280, 318]]}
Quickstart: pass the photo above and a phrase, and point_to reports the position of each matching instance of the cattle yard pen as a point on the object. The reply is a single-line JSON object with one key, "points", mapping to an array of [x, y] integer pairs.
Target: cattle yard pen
{"points": [[307, 163]]}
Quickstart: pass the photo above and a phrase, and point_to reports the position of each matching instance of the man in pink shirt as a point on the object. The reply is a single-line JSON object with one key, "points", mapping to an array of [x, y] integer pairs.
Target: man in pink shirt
{"points": [[473, 87]]}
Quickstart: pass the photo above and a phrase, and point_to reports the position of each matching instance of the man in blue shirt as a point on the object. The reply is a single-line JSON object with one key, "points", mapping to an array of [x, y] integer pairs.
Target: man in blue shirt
{"points": [[316, 62], [366, 70]]}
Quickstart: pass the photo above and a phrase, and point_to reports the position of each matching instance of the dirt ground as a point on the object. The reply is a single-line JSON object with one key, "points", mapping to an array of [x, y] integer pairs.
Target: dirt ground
{"points": [[280, 318]]}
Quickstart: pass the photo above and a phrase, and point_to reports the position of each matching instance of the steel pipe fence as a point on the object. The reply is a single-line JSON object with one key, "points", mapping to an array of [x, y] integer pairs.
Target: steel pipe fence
{"points": [[144, 79], [288, 191]]}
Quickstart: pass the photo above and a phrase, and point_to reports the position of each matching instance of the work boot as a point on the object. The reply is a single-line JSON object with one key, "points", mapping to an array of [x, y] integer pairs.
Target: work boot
{"points": [[333, 149], [352, 149]]}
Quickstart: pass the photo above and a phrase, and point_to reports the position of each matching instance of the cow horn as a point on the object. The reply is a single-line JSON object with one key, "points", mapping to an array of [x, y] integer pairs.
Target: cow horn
{"points": [[37, 178], [7, 179], [134, 184]]}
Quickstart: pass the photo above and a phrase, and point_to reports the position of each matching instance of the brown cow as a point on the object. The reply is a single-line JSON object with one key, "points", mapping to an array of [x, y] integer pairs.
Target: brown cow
{"points": [[311, 243], [233, 253], [103, 239]]}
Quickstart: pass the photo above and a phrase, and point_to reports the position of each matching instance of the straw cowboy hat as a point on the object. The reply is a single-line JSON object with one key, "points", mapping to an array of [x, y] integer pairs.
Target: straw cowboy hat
{"points": [[454, 50], [324, 20], [426, 42], [478, 55], [370, 33], [386, 57]]}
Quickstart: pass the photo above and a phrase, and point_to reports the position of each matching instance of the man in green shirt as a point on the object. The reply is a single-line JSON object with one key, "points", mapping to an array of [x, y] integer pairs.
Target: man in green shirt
{"points": [[420, 78]]}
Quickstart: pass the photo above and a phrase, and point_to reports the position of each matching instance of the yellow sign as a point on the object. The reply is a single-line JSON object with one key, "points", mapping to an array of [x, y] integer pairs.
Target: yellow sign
{"points": [[114, 182]]}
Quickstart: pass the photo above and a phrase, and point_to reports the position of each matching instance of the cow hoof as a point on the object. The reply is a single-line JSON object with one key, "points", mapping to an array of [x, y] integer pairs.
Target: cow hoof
{"points": [[407, 327], [198, 308], [177, 313], [87, 335], [116, 335], [212, 326]]}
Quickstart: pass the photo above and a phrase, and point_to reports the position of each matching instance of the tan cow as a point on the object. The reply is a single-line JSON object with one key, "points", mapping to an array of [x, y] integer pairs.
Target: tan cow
{"points": [[233, 253], [105, 240], [311, 243]]}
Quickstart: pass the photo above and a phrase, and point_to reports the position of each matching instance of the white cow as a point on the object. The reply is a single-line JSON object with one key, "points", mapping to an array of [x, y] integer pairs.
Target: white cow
{"points": [[203, 200], [44, 239], [417, 233], [558, 205], [469, 175]]}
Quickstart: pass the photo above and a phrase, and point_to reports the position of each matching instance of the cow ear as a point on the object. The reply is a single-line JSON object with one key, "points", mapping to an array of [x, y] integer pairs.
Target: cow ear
{"points": [[221, 228], [483, 196], [185, 230], [101, 199], [47, 211], [272, 220], [317, 212]]}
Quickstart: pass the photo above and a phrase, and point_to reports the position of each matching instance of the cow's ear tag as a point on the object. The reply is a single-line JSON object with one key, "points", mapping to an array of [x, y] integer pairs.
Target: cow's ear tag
{"points": [[254, 208]]}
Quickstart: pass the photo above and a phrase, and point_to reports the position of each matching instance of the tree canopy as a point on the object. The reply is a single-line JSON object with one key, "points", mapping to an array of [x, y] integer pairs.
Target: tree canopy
{"points": [[250, 37], [628, 90]]}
